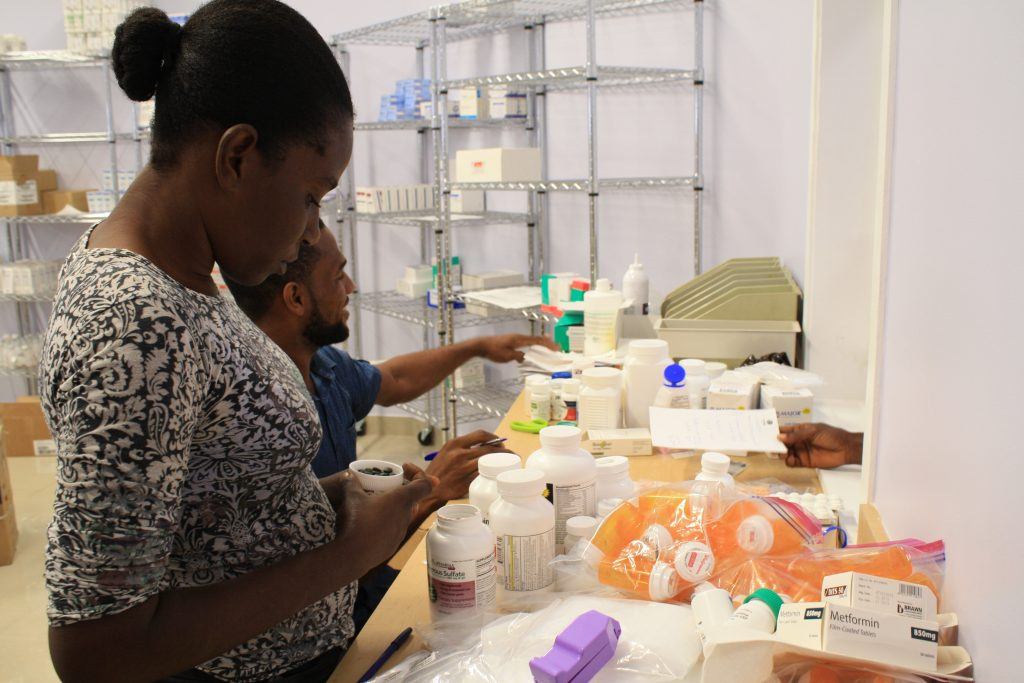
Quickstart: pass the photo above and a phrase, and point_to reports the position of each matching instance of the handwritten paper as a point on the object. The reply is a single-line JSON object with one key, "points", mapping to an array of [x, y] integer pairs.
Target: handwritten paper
{"points": [[716, 430]]}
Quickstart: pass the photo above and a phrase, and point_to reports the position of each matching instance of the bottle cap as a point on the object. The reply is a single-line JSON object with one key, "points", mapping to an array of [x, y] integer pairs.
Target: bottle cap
{"points": [[612, 464], [536, 379], [571, 387], [715, 463], [694, 561], [581, 526], [694, 366], [493, 464], [768, 597], [755, 535], [602, 378], [648, 349], [459, 514], [658, 539], [561, 436], [520, 483], [715, 369], [674, 375], [664, 582], [603, 285]]}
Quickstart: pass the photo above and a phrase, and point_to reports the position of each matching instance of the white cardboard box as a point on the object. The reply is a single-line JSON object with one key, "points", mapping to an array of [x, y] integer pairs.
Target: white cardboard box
{"points": [[414, 289], [793, 406], [492, 280], [467, 201], [498, 165], [878, 594], [472, 103], [859, 633], [733, 391], [627, 442]]}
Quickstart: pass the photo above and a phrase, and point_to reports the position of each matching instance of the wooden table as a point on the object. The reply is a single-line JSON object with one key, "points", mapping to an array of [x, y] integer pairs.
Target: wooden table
{"points": [[406, 602]]}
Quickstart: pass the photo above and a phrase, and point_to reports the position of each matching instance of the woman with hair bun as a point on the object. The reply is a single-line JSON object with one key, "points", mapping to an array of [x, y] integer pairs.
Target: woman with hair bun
{"points": [[190, 539]]}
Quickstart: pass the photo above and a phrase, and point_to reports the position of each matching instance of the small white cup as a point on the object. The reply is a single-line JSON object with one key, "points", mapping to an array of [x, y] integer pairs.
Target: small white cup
{"points": [[378, 483]]}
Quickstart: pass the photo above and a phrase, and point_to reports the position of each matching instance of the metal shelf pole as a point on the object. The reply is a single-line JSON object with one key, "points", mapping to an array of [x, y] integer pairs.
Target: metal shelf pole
{"points": [[439, 127], [698, 138], [346, 219], [592, 192], [430, 399]]}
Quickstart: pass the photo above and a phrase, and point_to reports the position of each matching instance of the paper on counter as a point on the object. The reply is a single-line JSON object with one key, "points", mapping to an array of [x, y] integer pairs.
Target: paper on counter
{"points": [[716, 430]]}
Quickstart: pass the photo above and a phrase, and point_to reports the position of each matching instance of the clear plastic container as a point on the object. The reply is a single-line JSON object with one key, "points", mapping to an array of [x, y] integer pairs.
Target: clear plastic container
{"points": [[461, 567], [484, 489], [570, 474], [600, 403], [643, 375], [523, 522], [613, 479]]}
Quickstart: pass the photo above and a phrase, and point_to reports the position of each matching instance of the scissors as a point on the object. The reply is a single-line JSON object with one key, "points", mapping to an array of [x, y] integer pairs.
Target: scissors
{"points": [[532, 427]]}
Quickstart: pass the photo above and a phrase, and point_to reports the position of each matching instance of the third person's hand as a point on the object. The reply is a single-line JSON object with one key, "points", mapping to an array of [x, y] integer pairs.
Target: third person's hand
{"points": [[820, 445], [504, 348]]}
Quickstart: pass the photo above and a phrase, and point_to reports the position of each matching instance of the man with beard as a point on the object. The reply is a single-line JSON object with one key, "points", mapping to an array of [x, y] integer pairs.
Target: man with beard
{"points": [[305, 311]]}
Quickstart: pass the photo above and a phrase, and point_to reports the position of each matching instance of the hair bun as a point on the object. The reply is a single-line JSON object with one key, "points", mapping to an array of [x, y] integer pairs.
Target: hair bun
{"points": [[144, 44]]}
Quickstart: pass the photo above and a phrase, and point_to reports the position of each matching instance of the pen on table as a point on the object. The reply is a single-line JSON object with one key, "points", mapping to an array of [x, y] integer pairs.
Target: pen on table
{"points": [[386, 655], [493, 442]]}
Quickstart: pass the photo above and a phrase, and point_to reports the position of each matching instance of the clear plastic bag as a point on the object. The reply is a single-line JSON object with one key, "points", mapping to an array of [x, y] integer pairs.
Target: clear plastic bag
{"points": [[783, 375], [660, 544], [817, 672], [658, 643]]}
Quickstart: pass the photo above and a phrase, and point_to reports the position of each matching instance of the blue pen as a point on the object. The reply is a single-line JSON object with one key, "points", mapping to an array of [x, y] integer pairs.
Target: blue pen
{"points": [[493, 442], [386, 655]]}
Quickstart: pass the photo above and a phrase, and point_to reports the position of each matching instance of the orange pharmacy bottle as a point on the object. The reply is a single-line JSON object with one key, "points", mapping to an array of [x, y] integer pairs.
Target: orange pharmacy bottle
{"points": [[637, 573], [622, 525]]}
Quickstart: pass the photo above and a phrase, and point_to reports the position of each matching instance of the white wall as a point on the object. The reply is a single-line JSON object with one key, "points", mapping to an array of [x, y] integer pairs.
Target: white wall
{"points": [[949, 462]]}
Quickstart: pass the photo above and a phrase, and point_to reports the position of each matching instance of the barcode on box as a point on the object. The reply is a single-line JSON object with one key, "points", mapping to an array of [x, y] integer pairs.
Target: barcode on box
{"points": [[911, 590]]}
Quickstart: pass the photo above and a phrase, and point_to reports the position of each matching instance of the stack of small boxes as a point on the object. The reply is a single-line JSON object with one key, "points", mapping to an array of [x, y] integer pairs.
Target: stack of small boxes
{"points": [[417, 280], [29, 278], [738, 390], [104, 201], [27, 190], [90, 24], [868, 618], [404, 104]]}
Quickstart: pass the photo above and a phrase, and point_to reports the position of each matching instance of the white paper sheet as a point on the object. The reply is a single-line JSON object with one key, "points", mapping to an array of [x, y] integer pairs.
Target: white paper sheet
{"points": [[716, 430], [510, 298]]}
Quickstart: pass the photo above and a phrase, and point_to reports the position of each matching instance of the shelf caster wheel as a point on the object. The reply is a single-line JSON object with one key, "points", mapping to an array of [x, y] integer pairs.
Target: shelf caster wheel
{"points": [[426, 436]]}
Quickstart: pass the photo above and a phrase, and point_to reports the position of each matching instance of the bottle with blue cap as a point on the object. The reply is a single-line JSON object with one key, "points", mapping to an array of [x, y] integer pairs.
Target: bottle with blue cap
{"points": [[673, 392]]}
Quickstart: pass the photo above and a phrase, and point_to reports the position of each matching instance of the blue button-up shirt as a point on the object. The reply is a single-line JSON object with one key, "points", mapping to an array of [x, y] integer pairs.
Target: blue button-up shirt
{"points": [[346, 390]]}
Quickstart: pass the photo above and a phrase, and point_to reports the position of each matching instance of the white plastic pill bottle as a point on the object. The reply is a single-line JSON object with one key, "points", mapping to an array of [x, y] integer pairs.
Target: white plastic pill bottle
{"points": [[461, 566], [613, 478], [570, 474], [523, 522], [600, 403], [484, 489], [643, 375]]}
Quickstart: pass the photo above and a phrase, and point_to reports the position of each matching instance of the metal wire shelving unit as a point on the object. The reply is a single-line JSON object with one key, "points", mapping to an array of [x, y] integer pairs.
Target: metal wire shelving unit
{"points": [[11, 143], [433, 31]]}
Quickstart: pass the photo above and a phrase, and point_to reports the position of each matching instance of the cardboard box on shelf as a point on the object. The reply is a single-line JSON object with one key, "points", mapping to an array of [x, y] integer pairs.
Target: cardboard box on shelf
{"points": [[19, 164], [24, 428], [8, 520], [467, 201], [46, 180], [57, 200], [498, 165], [493, 280], [19, 185]]}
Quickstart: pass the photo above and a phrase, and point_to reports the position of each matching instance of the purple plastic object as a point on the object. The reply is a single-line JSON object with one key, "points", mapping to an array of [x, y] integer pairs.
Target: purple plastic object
{"points": [[580, 651]]}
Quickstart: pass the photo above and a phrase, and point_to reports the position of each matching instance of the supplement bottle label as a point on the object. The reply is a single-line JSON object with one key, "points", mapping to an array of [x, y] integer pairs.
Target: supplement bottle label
{"points": [[571, 501], [524, 562], [462, 584]]}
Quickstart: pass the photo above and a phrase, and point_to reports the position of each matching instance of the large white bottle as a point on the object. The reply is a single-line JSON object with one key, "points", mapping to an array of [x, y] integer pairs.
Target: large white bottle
{"points": [[600, 401], [601, 319], [484, 489], [637, 287], [461, 567], [523, 523], [643, 374], [570, 474]]}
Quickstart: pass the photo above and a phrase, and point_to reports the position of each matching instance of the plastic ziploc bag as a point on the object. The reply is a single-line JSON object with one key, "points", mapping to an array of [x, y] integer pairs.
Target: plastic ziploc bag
{"points": [[816, 672], [658, 643], [660, 544]]}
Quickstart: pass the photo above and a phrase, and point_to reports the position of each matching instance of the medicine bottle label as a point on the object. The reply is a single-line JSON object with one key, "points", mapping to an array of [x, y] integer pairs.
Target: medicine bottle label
{"points": [[524, 562], [462, 584], [571, 501]]}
